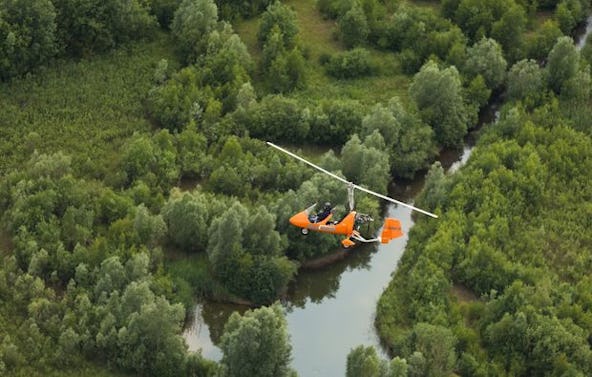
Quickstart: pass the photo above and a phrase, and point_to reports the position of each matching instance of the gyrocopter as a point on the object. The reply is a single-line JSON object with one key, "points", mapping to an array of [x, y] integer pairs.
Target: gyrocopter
{"points": [[348, 226]]}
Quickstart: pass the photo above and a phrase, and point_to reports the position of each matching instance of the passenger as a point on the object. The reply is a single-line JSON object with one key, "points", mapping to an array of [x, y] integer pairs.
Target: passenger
{"points": [[321, 215]]}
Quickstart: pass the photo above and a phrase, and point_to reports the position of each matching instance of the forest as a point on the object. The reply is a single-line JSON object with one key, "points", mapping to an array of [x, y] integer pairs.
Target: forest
{"points": [[135, 179]]}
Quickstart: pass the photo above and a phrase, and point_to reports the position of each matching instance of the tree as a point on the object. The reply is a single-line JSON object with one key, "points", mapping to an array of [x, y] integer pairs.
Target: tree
{"points": [[525, 81], [353, 26], [398, 367], [417, 365], [280, 17], [485, 58], [364, 362], [193, 22], [192, 153], [434, 192], [256, 344], [187, 220], [260, 235], [164, 10], [275, 118], [149, 342], [91, 26], [27, 35], [436, 344], [539, 44], [438, 96], [409, 142], [382, 119], [562, 63], [568, 14], [151, 159], [150, 228], [509, 30], [365, 164]]}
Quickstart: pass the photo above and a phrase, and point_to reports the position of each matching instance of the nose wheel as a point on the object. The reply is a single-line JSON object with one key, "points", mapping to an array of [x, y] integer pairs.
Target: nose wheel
{"points": [[304, 231]]}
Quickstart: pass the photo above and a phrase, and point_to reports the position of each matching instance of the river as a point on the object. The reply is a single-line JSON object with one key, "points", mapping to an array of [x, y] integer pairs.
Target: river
{"points": [[331, 310]]}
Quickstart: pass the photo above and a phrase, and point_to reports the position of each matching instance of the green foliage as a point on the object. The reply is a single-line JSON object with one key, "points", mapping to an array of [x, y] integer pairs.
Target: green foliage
{"points": [[509, 31], [491, 241], [365, 164], [192, 23], [485, 58], [569, 13], [526, 82], [88, 122], [256, 344], [164, 11], [148, 340], [409, 141], [283, 63], [350, 64], [187, 217], [438, 96], [332, 122], [275, 118], [248, 263], [353, 26], [232, 9], [278, 19], [363, 361], [152, 160], [437, 344], [539, 45], [88, 26], [28, 35], [477, 18], [418, 34], [562, 63]]}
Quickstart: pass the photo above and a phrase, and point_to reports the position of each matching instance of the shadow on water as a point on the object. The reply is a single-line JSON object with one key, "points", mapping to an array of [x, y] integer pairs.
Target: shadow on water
{"points": [[329, 311], [581, 33], [332, 309]]}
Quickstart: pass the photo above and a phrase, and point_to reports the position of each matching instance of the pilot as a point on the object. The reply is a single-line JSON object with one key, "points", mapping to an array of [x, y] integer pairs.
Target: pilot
{"points": [[326, 211]]}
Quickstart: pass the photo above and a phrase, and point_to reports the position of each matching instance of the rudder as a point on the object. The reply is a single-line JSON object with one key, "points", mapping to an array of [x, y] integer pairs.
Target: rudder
{"points": [[390, 230]]}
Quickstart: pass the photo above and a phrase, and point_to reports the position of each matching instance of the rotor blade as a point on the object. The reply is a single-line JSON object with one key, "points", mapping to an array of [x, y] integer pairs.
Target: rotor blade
{"points": [[309, 163], [396, 201], [350, 183]]}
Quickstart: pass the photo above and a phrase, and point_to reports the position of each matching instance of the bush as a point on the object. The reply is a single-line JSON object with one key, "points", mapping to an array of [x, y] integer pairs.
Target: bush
{"points": [[350, 64]]}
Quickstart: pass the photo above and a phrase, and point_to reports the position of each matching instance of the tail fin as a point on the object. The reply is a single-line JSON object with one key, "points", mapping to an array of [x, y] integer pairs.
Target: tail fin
{"points": [[390, 230]]}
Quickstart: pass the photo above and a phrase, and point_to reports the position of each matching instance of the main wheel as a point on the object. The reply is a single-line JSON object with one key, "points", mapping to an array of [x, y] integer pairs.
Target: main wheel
{"points": [[304, 231]]}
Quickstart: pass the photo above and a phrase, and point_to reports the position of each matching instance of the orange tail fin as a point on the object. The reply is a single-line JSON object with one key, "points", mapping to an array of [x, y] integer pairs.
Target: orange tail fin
{"points": [[390, 230]]}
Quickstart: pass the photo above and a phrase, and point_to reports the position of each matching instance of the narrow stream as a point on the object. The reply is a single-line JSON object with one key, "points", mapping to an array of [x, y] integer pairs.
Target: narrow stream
{"points": [[582, 33], [331, 310]]}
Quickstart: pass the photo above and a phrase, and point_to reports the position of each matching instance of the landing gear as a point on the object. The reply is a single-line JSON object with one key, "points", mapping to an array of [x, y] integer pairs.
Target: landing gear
{"points": [[304, 231]]}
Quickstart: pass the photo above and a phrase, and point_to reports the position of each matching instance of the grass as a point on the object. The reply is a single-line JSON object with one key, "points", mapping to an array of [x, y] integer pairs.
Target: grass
{"points": [[317, 38], [86, 108]]}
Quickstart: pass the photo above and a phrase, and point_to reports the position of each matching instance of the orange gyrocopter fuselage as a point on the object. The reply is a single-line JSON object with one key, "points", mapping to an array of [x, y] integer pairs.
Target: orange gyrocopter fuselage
{"points": [[307, 220], [345, 227]]}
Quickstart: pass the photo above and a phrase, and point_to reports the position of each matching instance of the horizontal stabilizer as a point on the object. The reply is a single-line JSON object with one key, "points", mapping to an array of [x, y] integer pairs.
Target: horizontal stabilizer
{"points": [[347, 243], [391, 230]]}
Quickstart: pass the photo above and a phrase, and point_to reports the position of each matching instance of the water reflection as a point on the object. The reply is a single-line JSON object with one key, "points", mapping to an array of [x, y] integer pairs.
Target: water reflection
{"points": [[331, 310], [317, 285]]}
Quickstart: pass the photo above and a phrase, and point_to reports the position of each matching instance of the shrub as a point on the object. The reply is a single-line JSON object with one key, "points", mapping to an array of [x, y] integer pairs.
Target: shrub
{"points": [[350, 64]]}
